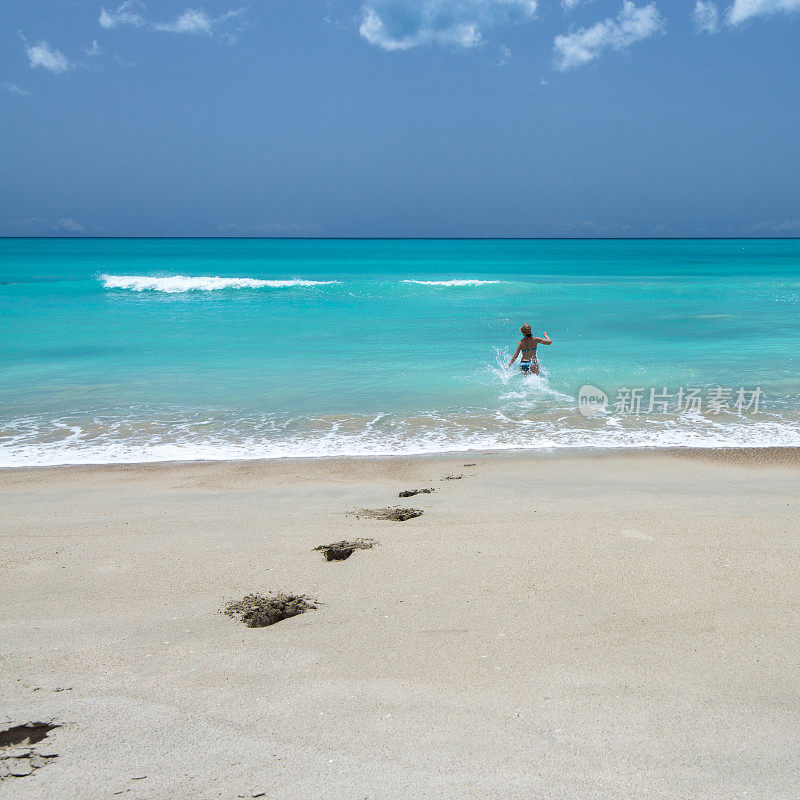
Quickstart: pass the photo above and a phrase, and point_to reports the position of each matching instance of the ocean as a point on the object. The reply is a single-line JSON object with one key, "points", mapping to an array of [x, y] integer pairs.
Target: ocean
{"points": [[133, 350]]}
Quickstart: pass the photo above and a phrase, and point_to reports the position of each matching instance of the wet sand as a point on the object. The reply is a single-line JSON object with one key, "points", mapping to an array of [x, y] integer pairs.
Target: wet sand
{"points": [[576, 626]]}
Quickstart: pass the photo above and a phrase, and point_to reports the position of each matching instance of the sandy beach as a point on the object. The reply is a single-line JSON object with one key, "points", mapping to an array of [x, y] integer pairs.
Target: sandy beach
{"points": [[561, 626]]}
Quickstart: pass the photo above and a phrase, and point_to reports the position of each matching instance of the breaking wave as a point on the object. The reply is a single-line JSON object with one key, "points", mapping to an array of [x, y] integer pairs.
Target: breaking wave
{"points": [[184, 283]]}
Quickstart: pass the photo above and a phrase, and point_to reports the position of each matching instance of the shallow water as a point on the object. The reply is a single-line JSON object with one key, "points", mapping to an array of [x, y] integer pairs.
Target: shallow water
{"points": [[137, 350]]}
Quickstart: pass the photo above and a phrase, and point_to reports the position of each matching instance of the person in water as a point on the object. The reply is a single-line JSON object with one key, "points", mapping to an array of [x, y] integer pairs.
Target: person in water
{"points": [[527, 347]]}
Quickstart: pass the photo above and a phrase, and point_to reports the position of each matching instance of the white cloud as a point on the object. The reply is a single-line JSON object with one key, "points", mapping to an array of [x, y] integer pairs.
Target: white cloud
{"points": [[706, 17], [568, 5], [742, 10], [47, 57], [786, 227], [269, 229], [403, 24], [44, 225], [586, 44], [588, 228], [124, 63], [196, 20], [13, 88], [125, 14], [192, 20], [94, 50], [68, 225]]}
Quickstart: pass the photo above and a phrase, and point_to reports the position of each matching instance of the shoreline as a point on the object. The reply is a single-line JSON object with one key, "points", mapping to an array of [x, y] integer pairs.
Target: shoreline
{"points": [[734, 454]]}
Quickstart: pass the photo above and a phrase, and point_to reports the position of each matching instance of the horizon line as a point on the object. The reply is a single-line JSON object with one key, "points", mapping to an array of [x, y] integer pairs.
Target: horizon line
{"points": [[420, 238]]}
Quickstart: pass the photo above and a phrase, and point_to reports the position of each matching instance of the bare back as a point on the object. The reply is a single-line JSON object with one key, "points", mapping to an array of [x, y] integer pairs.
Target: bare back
{"points": [[527, 347]]}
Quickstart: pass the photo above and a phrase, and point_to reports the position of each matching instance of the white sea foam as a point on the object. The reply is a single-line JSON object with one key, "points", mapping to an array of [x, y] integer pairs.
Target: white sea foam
{"points": [[184, 283], [454, 282], [31, 442]]}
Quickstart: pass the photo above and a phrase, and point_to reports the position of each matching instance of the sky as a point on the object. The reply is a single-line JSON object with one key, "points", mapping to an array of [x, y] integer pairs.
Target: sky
{"points": [[400, 118]]}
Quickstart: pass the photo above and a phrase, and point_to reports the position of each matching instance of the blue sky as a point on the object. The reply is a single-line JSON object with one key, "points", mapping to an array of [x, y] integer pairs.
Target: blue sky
{"points": [[400, 117]]}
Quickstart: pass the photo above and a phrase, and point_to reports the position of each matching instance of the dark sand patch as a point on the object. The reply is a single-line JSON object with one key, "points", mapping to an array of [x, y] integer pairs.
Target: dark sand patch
{"points": [[18, 758], [339, 551], [453, 477], [258, 611], [29, 733], [395, 514], [412, 492]]}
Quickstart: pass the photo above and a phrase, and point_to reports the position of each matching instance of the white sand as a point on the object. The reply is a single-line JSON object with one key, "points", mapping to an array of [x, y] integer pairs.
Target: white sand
{"points": [[619, 626]]}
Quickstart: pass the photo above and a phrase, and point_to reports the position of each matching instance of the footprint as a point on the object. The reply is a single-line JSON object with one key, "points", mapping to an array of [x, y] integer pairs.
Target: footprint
{"points": [[339, 551], [396, 514], [257, 611]]}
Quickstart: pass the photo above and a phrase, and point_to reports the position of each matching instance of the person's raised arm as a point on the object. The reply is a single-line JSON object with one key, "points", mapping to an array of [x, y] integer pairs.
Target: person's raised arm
{"points": [[546, 340], [516, 353]]}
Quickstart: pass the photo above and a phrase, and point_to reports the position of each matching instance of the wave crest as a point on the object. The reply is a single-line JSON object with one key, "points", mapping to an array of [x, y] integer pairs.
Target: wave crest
{"points": [[184, 283], [454, 282]]}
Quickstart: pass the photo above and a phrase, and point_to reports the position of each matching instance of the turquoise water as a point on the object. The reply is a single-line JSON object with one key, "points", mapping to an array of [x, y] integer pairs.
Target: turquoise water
{"points": [[145, 349]]}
